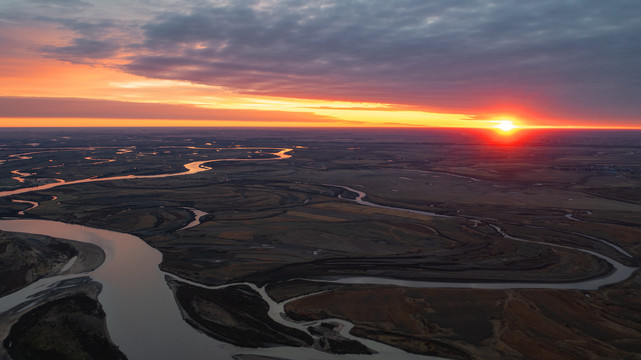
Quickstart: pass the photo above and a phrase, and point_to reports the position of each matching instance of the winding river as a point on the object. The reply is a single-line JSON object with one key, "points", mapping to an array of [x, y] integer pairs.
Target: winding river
{"points": [[32, 203], [192, 168], [198, 214], [619, 273], [144, 319], [142, 315]]}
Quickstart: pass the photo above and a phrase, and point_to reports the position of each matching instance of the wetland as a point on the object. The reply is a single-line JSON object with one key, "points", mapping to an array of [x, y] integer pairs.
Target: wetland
{"points": [[321, 244]]}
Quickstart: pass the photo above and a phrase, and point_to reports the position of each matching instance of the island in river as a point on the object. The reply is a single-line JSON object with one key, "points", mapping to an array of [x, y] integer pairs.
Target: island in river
{"points": [[383, 244]]}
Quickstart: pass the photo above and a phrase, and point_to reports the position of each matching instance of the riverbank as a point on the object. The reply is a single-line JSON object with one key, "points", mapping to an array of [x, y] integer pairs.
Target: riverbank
{"points": [[26, 258]]}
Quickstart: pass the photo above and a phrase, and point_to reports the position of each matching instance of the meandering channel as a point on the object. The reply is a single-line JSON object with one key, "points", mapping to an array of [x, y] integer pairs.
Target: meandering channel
{"points": [[198, 214], [32, 203], [192, 168], [620, 272]]}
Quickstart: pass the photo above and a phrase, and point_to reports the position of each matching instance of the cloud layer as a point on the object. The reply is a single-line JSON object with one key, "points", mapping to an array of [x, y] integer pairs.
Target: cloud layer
{"points": [[557, 58]]}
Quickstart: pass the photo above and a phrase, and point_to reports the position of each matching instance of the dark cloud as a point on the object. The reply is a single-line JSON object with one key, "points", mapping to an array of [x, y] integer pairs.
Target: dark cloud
{"points": [[82, 50], [571, 58], [97, 38], [94, 28], [62, 3]]}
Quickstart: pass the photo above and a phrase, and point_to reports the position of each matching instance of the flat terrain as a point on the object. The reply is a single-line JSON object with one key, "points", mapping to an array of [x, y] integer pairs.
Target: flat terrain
{"points": [[454, 207]]}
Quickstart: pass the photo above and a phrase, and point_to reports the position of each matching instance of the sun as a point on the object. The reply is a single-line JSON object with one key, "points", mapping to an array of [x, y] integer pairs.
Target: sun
{"points": [[505, 126], [505, 131]]}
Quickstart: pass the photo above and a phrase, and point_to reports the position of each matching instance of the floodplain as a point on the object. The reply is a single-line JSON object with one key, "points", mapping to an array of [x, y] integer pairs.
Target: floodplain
{"points": [[429, 243]]}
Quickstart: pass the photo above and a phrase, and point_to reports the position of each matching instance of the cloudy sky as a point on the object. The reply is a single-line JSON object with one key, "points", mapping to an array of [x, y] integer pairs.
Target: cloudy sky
{"points": [[319, 63]]}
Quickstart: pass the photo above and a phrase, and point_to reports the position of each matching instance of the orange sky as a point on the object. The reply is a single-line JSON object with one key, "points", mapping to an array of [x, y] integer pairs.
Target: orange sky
{"points": [[102, 68], [84, 95], [41, 78]]}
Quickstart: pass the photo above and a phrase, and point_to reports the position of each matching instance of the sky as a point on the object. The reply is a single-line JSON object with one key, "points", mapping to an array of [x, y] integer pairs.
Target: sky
{"points": [[433, 63]]}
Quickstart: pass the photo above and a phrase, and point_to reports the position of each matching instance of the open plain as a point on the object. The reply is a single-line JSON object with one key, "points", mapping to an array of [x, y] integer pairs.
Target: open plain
{"points": [[450, 244]]}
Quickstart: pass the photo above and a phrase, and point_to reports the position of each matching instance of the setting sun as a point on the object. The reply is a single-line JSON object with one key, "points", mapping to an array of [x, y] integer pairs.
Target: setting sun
{"points": [[506, 126]]}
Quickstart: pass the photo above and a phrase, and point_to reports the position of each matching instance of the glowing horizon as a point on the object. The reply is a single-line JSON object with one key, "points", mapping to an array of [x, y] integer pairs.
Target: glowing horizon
{"points": [[137, 123]]}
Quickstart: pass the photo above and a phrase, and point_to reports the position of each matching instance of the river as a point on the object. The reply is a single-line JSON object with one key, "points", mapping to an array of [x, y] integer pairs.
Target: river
{"points": [[619, 273], [192, 168], [142, 315]]}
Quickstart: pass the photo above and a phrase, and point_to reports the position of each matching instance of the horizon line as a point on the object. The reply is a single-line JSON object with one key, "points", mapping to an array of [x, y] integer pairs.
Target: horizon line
{"points": [[517, 129]]}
